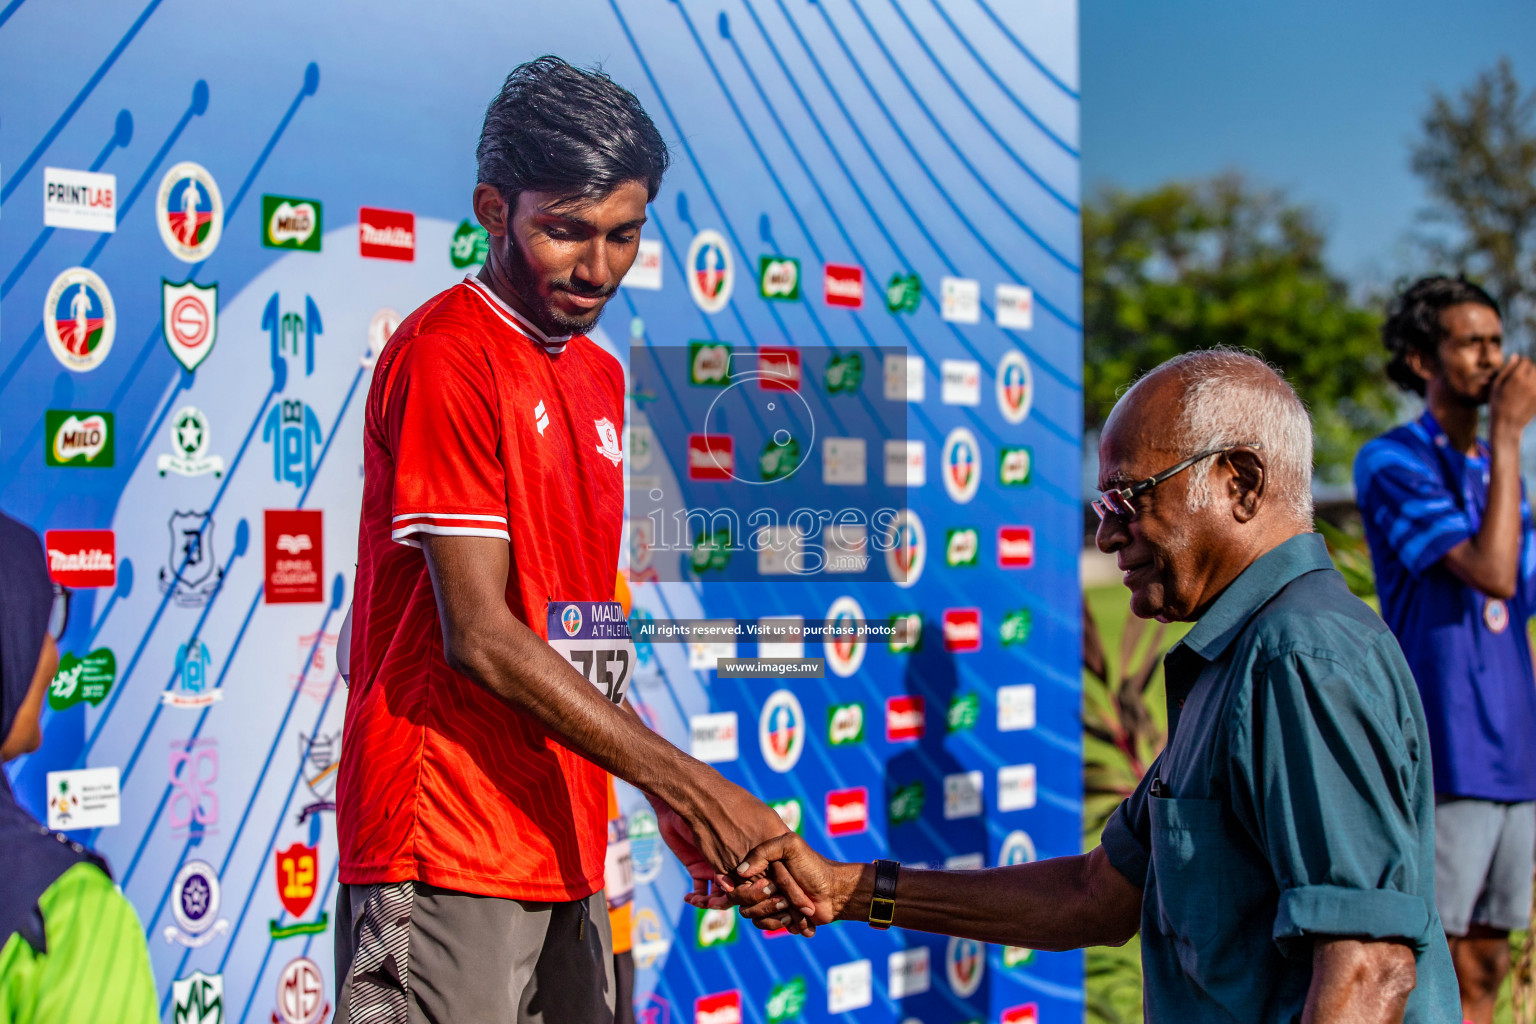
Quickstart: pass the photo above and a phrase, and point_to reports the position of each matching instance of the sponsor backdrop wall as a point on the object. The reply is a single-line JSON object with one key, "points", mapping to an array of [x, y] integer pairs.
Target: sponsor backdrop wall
{"points": [[213, 214]]}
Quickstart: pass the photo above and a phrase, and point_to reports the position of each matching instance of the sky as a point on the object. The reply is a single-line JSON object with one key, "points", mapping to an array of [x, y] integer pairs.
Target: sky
{"points": [[1322, 99]]}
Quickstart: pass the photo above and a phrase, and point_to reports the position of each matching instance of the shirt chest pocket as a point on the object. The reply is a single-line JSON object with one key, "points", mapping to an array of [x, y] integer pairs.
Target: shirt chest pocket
{"points": [[1188, 850]]}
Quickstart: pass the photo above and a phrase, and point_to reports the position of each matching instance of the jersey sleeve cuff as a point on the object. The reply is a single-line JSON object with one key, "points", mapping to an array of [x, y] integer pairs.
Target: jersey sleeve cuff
{"points": [[404, 529], [1313, 912], [1126, 853], [1426, 553]]}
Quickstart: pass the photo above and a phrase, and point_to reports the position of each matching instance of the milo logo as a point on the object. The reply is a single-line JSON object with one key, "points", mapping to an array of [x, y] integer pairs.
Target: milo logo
{"points": [[962, 547], [79, 438], [779, 277], [845, 724], [290, 223], [709, 364], [789, 811], [1013, 467], [716, 928]]}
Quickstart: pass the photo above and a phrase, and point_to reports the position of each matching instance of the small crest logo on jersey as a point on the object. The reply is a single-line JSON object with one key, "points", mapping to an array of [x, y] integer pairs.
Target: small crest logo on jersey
{"points": [[190, 212], [962, 629], [386, 234], [1015, 307], [645, 272], [1015, 547], [79, 200], [191, 573], [779, 369], [195, 898], [1029, 1013], [961, 465], [903, 293], [190, 437], [289, 223], [1015, 386], [711, 457], [908, 548], [845, 724], [469, 245], [1496, 615], [198, 999], [905, 718], [571, 620], [1014, 466], [79, 319], [85, 439], [82, 558], [192, 688], [778, 277], [781, 730], [295, 556], [847, 811], [844, 650], [843, 285], [709, 364], [960, 300], [718, 1008], [189, 319], [711, 273], [965, 961], [961, 547], [608, 440], [1018, 848], [301, 993]]}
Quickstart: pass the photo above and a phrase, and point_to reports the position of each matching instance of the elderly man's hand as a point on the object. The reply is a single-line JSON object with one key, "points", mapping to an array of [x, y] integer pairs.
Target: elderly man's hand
{"points": [[802, 889]]}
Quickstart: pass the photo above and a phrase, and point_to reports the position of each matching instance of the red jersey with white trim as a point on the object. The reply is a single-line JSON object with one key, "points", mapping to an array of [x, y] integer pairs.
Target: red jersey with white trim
{"points": [[477, 425]]}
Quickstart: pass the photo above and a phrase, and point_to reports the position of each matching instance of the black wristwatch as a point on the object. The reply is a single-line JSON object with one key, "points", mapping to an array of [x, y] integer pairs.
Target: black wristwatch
{"points": [[882, 905]]}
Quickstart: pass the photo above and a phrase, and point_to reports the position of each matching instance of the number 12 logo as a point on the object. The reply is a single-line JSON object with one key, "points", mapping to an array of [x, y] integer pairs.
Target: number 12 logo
{"points": [[297, 868]]}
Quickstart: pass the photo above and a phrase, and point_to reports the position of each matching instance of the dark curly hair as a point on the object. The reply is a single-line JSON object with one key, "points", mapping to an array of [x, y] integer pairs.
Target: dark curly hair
{"points": [[1413, 322], [570, 131]]}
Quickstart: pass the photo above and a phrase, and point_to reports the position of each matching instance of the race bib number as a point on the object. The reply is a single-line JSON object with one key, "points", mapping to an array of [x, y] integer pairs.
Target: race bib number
{"points": [[594, 637]]}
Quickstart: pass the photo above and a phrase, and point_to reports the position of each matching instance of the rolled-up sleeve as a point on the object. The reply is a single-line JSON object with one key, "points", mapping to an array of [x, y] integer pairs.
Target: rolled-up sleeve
{"points": [[1321, 778], [1127, 838], [1410, 506]]}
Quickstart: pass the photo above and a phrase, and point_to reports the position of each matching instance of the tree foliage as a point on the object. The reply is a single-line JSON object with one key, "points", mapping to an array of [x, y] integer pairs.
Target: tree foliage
{"points": [[1477, 157], [1190, 265]]}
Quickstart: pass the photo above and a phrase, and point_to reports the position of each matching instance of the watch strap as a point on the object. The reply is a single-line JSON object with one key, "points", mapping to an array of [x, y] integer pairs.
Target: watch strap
{"points": [[882, 905]]}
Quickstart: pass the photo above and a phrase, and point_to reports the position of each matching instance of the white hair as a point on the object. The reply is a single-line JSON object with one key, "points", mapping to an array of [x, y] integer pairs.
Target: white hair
{"points": [[1233, 397]]}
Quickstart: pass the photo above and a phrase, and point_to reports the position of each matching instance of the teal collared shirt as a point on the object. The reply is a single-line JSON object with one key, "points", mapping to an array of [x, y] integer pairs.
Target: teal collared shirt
{"points": [[1294, 801]]}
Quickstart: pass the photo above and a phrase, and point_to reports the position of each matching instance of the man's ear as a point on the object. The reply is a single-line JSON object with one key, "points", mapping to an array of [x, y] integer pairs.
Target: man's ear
{"points": [[1246, 486], [492, 211], [1425, 366]]}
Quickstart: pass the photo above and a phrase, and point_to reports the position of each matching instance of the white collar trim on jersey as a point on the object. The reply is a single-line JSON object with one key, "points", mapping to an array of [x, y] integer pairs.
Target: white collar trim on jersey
{"points": [[554, 345]]}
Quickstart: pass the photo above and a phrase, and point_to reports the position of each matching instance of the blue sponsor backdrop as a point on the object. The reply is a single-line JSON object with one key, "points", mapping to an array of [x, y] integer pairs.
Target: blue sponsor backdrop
{"points": [[911, 137]]}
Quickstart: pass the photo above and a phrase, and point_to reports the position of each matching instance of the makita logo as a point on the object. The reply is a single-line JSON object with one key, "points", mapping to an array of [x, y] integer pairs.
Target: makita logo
{"points": [[843, 285], [847, 811], [904, 719], [962, 629], [1015, 547], [711, 456], [294, 545], [720, 1008], [93, 560], [82, 558], [387, 234]]}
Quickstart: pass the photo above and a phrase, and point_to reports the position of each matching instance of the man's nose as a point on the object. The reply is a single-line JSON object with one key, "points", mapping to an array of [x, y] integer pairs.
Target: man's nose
{"points": [[593, 268], [1112, 534]]}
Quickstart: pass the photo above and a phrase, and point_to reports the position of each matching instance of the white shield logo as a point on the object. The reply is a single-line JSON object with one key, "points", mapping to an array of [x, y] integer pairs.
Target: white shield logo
{"points": [[609, 436], [189, 316]]}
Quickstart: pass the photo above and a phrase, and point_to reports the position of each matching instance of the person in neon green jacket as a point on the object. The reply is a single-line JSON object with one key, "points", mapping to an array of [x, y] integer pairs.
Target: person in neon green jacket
{"points": [[73, 950]]}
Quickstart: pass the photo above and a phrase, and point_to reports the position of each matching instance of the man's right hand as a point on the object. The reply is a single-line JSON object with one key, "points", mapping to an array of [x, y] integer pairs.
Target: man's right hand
{"points": [[727, 821], [1512, 400]]}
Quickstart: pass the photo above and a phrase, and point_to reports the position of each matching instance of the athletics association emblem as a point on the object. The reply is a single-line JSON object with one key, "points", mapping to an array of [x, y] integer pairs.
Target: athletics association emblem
{"points": [[710, 271], [961, 465], [781, 730], [79, 319], [189, 318], [908, 550], [1015, 387], [570, 619], [964, 962], [195, 898], [844, 651], [190, 212], [608, 436]]}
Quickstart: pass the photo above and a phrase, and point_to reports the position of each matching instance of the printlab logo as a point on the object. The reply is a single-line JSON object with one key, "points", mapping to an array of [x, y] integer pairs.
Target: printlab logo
{"points": [[190, 437], [290, 223], [298, 867], [386, 234], [711, 274], [319, 756], [469, 246], [189, 319], [79, 200], [195, 898], [198, 999], [778, 277], [79, 319], [190, 212], [192, 688], [293, 431], [193, 768], [291, 333], [84, 439], [645, 272], [191, 574], [301, 993]]}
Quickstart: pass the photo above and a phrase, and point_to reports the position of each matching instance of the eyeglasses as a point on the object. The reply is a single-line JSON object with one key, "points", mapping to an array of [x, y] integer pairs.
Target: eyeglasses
{"points": [[58, 615], [1117, 502]]}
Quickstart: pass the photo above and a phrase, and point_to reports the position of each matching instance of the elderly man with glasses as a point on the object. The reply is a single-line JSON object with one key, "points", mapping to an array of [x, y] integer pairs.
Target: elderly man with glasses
{"points": [[1278, 858]]}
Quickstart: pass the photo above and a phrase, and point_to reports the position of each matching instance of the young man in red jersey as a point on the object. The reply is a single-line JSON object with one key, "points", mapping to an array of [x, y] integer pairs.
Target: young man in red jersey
{"points": [[472, 807]]}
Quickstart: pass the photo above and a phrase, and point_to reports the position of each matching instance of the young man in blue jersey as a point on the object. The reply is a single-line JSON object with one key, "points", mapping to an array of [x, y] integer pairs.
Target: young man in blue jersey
{"points": [[1451, 538]]}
